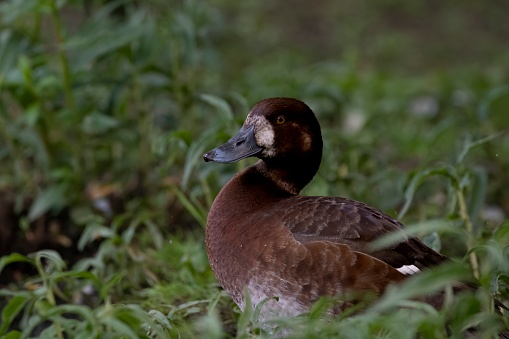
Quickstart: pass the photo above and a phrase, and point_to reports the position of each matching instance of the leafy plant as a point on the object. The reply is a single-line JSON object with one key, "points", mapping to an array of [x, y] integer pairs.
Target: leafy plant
{"points": [[106, 108]]}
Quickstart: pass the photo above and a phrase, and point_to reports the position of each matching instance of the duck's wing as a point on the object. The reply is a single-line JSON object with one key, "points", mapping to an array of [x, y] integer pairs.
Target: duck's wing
{"points": [[357, 225]]}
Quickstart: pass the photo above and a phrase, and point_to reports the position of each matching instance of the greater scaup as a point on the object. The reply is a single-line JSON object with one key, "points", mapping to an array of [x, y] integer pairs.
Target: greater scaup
{"points": [[261, 235]]}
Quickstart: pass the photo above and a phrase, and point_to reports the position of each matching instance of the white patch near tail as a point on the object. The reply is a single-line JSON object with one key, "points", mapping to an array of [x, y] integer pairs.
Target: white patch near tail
{"points": [[408, 269]]}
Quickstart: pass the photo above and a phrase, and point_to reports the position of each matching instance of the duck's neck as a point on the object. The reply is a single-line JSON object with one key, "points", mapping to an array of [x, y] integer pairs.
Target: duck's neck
{"points": [[290, 174], [248, 190]]}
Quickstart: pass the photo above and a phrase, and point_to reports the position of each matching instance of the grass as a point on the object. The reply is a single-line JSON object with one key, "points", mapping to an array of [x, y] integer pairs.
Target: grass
{"points": [[107, 106]]}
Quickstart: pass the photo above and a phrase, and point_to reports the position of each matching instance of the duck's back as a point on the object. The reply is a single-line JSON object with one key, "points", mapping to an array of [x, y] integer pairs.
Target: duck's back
{"points": [[354, 224]]}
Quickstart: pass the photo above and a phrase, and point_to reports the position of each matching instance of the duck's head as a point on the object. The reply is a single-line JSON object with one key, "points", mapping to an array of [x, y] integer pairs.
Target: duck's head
{"points": [[284, 133]]}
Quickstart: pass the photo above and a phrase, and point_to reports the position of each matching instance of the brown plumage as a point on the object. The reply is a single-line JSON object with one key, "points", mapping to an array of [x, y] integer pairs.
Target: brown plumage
{"points": [[263, 236], [249, 245]]}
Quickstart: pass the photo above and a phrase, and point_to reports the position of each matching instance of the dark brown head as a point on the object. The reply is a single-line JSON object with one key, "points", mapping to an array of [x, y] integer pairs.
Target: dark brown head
{"points": [[284, 133]]}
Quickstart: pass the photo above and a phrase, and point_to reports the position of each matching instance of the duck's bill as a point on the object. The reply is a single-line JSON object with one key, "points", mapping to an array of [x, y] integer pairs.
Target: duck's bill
{"points": [[240, 146]]}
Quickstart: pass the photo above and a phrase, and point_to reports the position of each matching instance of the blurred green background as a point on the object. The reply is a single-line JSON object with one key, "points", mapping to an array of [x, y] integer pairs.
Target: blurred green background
{"points": [[107, 106]]}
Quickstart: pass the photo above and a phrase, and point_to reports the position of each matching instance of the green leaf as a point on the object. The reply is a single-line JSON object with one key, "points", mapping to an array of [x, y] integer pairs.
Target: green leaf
{"points": [[189, 206], [213, 302], [210, 326], [86, 314], [191, 305], [128, 234], [155, 233], [195, 153], [11, 310], [255, 317], [184, 135], [108, 285], [97, 123], [469, 145], [220, 104], [425, 227], [120, 328], [421, 176], [56, 276], [479, 189], [160, 318], [11, 46], [246, 316], [502, 231], [101, 36], [494, 96], [32, 114], [131, 314], [426, 282], [12, 335], [51, 198], [92, 233], [13, 10], [52, 256], [12, 258], [34, 320]]}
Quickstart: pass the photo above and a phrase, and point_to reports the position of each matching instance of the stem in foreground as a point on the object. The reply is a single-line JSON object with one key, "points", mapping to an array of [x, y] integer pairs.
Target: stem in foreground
{"points": [[474, 262]]}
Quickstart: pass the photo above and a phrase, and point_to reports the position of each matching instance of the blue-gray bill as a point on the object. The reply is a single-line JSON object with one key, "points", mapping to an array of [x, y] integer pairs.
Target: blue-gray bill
{"points": [[240, 146]]}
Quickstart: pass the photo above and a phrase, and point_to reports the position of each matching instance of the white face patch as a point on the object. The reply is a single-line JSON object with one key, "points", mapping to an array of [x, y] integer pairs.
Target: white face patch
{"points": [[264, 133], [408, 269], [306, 142]]}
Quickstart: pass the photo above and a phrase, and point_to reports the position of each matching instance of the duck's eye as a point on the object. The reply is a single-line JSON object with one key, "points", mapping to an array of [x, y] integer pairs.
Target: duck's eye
{"points": [[280, 119]]}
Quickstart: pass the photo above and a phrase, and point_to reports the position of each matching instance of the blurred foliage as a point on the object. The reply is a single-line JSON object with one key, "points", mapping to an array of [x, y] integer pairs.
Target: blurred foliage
{"points": [[107, 106]]}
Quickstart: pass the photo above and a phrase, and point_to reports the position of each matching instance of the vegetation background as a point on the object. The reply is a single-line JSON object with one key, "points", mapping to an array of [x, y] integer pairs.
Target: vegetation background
{"points": [[107, 106]]}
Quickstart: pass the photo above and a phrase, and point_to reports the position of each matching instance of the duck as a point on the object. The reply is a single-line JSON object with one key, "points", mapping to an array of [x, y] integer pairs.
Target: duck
{"points": [[288, 250]]}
